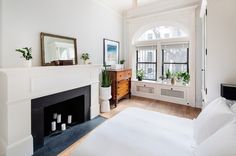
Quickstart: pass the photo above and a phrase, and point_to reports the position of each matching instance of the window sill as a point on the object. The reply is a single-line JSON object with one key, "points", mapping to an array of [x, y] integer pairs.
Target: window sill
{"points": [[159, 82]]}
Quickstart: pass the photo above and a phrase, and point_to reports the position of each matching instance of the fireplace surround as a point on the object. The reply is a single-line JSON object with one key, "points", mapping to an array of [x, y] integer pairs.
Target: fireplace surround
{"points": [[74, 102], [21, 85]]}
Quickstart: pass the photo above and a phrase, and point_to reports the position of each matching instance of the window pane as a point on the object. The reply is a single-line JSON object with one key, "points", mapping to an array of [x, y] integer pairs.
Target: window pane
{"points": [[175, 54], [162, 32], [149, 71], [147, 55], [175, 68]]}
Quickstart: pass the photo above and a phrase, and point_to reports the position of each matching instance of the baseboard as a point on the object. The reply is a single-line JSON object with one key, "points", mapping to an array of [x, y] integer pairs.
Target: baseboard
{"points": [[2, 147], [23, 147]]}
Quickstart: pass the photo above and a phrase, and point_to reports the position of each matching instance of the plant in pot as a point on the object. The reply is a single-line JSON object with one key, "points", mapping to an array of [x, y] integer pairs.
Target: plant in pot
{"points": [[179, 76], [105, 91], [140, 75], [27, 55], [168, 75], [122, 63], [173, 79], [85, 57], [186, 78]]}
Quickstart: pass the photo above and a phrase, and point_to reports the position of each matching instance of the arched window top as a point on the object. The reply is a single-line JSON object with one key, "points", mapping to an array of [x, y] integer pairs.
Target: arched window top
{"points": [[162, 32]]}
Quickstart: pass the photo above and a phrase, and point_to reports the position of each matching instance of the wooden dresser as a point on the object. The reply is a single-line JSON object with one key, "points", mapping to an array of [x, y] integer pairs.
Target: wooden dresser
{"points": [[121, 84]]}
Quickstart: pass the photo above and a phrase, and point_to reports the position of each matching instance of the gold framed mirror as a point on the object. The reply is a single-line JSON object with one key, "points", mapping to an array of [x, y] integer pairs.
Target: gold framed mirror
{"points": [[58, 50]]}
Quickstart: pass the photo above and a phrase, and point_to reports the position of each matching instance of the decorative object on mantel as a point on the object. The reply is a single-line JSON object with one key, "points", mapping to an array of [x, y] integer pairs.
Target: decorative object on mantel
{"points": [[140, 75], [26, 53], [85, 57], [122, 62], [110, 52], [105, 91], [58, 50]]}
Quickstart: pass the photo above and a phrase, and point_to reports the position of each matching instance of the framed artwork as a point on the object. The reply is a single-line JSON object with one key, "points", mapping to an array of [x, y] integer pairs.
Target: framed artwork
{"points": [[111, 51]]}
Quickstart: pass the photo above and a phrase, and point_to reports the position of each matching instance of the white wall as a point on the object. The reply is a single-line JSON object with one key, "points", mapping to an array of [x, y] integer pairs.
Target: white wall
{"points": [[88, 20], [221, 44]]}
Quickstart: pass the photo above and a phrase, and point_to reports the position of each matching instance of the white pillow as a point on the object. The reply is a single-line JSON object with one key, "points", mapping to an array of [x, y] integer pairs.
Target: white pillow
{"points": [[213, 117], [233, 108], [222, 143]]}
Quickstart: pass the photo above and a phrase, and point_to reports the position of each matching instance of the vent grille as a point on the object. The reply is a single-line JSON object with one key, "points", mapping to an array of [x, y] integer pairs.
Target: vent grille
{"points": [[172, 93]]}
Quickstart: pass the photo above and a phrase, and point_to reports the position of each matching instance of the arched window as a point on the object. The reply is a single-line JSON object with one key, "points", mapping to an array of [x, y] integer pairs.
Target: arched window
{"points": [[162, 32]]}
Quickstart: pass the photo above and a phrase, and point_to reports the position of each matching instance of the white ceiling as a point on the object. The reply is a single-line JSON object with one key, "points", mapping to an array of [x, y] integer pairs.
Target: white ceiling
{"points": [[122, 5]]}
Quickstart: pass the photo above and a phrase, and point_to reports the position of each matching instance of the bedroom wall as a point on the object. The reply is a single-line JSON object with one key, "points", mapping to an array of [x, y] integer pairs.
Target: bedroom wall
{"points": [[221, 37], [88, 20]]}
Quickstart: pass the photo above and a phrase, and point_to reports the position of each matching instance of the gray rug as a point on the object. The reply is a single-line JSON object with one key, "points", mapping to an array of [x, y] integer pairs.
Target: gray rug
{"points": [[54, 146]]}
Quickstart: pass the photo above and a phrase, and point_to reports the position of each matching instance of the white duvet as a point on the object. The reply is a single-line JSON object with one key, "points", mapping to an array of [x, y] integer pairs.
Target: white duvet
{"points": [[137, 132]]}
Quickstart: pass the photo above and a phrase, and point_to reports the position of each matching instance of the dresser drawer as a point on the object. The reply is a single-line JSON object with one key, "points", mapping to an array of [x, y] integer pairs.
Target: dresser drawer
{"points": [[122, 92], [120, 76], [128, 74]]}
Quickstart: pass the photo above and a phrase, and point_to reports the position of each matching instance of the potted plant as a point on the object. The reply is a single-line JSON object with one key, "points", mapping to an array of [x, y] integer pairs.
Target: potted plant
{"points": [[168, 74], [85, 57], [173, 79], [179, 76], [140, 75], [186, 78], [122, 63], [105, 91], [27, 55]]}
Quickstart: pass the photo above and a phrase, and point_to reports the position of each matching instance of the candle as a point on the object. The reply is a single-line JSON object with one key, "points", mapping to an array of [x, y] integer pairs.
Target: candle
{"points": [[54, 116], [53, 126], [63, 127], [59, 118], [69, 119]]}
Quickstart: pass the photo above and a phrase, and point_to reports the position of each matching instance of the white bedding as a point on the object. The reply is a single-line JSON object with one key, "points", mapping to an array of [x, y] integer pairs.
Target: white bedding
{"points": [[137, 132]]}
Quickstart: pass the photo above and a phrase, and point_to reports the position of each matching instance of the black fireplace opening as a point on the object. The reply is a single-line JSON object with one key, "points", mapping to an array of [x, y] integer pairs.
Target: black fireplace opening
{"points": [[54, 114], [68, 110]]}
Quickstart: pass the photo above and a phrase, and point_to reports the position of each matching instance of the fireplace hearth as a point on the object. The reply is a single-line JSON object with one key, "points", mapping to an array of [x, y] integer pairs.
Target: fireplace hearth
{"points": [[52, 115]]}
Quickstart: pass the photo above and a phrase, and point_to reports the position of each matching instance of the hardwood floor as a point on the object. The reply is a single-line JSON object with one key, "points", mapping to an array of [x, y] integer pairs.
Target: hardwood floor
{"points": [[148, 104], [154, 105]]}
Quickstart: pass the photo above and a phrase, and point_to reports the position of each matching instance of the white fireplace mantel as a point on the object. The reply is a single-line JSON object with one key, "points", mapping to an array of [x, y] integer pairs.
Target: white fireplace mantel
{"points": [[19, 85]]}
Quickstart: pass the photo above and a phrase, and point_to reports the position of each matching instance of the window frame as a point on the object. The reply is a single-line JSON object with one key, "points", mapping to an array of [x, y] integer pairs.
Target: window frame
{"points": [[178, 63], [155, 63]]}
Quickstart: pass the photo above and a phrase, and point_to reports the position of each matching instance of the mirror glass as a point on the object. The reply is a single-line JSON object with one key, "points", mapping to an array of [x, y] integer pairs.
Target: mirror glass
{"points": [[58, 50]]}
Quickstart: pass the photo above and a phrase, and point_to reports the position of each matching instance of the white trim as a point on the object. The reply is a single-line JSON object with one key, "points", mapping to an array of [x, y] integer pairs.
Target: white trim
{"points": [[163, 41], [22, 147]]}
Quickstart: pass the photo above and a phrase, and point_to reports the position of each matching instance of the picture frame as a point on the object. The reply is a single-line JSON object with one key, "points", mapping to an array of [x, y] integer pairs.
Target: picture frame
{"points": [[111, 52]]}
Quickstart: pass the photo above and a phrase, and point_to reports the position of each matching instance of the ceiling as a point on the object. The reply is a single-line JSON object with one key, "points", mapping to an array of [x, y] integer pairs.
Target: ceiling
{"points": [[121, 5]]}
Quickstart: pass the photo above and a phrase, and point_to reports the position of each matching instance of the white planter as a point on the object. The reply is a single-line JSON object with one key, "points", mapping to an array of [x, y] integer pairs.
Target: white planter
{"points": [[27, 63], [86, 61], [105, 95]]}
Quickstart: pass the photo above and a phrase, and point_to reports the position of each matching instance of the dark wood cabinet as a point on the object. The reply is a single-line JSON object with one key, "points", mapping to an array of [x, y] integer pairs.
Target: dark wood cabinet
{"points": [[121, 84]]}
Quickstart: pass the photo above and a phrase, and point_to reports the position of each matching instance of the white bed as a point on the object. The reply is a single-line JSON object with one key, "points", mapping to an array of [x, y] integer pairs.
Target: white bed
{"points": [[137, 132]]}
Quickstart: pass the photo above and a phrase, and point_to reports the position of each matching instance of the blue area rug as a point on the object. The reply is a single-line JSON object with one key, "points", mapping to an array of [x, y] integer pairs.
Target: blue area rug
{"points": [[54, 146]]}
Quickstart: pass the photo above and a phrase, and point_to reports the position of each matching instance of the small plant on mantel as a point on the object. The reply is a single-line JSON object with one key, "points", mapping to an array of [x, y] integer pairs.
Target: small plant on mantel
{"points": [[26, 53], [85, 57]]}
